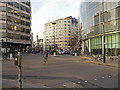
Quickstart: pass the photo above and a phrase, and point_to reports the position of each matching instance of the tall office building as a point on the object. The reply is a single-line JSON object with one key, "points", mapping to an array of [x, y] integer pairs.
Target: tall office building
{"points": [[15, 25], [59, 32], [100, 27]]}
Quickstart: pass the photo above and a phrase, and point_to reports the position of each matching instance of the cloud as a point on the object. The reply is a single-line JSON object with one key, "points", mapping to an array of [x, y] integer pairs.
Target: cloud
{"points": [[50, 10]]}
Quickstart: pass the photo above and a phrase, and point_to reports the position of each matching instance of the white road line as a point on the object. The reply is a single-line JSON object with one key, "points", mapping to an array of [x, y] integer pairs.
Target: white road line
{"points": [[64, 85], [95, 79]]}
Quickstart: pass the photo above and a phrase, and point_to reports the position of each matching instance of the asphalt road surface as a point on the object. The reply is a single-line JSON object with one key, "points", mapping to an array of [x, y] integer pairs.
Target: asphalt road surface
{"points": [[63, 71]]}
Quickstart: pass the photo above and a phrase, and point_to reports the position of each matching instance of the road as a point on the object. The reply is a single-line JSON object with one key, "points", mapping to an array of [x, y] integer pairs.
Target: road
{"points": [[63, 71]]}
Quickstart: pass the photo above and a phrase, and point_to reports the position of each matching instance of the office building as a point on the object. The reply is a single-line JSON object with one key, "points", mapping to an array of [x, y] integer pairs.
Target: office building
{"points": [[100, 27], [58, 33], [15, 25]]}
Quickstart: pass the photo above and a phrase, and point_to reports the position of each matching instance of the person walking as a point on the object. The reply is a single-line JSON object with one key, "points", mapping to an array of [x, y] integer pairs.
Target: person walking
{"points": [[3, 54], [41, 52], [45, 56]]}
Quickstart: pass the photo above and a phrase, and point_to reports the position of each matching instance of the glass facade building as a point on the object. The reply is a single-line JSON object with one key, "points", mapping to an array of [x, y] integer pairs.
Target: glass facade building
{"points": [[100, 25]]}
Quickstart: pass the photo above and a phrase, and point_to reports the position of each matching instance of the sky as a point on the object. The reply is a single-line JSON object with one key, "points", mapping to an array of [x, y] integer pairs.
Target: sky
{"points": [[44, 11]]}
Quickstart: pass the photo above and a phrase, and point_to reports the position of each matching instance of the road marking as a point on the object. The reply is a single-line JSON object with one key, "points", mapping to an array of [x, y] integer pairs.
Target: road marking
{"points": [[85, 81], [95, 79], [64, 85], [79, 82]]}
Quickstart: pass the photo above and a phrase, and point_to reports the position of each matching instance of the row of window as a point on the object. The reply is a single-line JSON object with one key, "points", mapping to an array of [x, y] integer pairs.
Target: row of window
{"points": [[18, 13], [18, 21], [19, 29], [94, 16], [111, 41], [2, 17], [2, 9], [2, 26], [17, 5], [60, 45], [27, 3], [108, 51], [16, 36], [108, 27], [66, 21]]}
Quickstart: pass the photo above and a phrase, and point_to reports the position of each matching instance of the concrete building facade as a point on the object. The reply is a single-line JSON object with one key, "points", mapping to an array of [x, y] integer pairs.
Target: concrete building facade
{"points": [[59, 32], [15, 25], [100, 27]]}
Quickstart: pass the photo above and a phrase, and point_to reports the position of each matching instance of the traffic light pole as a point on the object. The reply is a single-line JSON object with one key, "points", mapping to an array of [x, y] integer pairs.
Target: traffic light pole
{"points": [[20, 70], [54, 40], [20, 77]]}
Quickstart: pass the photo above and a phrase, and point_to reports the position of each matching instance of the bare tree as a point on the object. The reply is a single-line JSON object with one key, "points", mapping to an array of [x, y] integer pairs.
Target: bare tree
{"points": [[73, 42]]}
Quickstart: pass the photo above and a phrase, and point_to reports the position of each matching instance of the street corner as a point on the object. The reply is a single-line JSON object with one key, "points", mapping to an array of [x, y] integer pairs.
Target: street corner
{"points": [[101, 63], [70, 85]]}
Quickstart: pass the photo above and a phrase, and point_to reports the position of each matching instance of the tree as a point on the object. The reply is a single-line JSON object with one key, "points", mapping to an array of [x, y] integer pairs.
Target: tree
{"points": [[73, 42]]}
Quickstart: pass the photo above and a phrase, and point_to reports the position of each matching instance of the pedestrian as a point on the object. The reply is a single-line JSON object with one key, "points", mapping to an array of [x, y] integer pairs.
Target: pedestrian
{"points": [[45, 56], [3, 54], [41, 52], [57, 52], [84, 52]]}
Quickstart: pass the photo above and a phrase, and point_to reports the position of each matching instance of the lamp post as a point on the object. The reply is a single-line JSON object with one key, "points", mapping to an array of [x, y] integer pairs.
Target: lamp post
{"points": [[54, 39], [103, 34], [6, 30]]}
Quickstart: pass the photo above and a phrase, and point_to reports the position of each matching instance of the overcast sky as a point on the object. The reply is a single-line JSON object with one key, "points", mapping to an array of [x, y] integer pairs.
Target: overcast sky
{"points": [[44, 11]]}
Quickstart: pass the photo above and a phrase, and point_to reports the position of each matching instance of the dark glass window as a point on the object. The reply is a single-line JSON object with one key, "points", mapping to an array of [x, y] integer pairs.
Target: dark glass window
{"points": [[10, 3], [68, 21], [16, 5]]}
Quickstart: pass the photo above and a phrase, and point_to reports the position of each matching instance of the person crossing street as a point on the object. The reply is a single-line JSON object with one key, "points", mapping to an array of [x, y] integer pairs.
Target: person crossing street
{"points": [[45, 56]]}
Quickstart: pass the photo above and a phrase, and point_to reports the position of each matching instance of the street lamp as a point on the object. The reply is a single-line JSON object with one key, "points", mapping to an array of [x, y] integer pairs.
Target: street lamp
{"points": [[6, 31], [54, 39], [103, 33]]}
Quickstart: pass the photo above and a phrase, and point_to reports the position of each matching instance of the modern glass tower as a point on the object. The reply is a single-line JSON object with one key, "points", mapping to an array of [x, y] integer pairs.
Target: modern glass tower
{"points": [[15, 25], [100, 27]]}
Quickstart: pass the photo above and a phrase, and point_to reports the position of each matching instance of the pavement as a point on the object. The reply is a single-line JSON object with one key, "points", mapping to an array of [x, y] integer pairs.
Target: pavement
{"points": [[89, 59], [63, 71]]}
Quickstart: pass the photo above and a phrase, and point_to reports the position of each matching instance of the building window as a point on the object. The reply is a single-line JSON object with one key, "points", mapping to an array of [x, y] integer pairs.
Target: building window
{"points": [[2, 26], [68, 21], [10, 10]]}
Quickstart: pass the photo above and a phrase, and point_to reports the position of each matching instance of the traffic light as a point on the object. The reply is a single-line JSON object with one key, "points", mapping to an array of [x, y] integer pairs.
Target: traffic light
{"points": [[17, 59]]}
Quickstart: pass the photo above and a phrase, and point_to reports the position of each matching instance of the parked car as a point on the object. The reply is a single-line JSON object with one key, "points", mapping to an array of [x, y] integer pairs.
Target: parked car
{"points": [[66, 52], [72, 53], [60, 52]]}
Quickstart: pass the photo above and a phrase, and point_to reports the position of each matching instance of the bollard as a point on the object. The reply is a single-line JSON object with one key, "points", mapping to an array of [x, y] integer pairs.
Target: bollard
{"points": [[54, 54], [75, 54], [11, 56]]}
